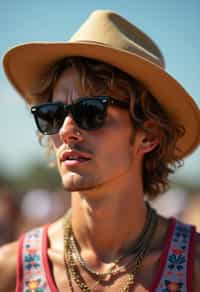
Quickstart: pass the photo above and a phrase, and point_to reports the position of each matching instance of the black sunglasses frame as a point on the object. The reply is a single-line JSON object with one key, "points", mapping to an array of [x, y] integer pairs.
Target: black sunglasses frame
{"points": [[72, 108]]}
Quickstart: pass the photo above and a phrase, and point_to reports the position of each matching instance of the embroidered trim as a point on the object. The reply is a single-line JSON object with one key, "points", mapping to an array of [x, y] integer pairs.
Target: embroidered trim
{"points": [[34, 277], [174, 276], [163, 256]]}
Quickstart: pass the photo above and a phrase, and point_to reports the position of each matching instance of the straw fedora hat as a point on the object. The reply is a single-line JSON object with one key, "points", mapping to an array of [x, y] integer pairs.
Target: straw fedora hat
{"points": [[107, 37]]}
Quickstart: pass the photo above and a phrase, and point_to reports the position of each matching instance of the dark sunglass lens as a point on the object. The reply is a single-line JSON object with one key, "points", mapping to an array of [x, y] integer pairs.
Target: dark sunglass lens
{"points": [[50, 118], [89, 114]]}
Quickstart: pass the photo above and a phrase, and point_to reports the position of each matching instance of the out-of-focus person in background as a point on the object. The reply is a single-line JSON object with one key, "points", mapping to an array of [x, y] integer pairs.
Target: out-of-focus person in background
{"points": [[52, 205], [119, 124], [191, 214], [9, 209], [171, 203]]}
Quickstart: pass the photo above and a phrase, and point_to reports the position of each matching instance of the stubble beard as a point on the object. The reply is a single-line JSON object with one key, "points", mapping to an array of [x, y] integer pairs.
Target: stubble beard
{"points": [[76, 183]]}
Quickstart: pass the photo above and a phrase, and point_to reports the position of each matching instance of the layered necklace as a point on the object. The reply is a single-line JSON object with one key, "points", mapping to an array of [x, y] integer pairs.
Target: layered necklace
{"points": [[139, 249]]}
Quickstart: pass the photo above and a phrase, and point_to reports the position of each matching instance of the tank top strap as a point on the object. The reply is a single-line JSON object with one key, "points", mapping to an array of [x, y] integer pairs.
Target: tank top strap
{"points": [[32, 270], [178, 263]]}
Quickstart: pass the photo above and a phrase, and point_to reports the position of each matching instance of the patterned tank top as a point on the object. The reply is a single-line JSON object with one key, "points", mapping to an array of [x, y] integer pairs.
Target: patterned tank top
{"points": [[175, 272]]}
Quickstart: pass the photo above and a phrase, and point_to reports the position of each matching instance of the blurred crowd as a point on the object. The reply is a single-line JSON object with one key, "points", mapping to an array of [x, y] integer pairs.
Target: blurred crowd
{"points": [[21, 212]]}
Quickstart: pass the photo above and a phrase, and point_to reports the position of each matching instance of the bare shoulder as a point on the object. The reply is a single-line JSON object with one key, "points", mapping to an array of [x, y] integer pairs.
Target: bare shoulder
{"points": [[8, 265]]}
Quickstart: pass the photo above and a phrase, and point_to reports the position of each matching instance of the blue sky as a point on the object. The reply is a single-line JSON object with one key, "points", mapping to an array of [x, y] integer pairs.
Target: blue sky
{"points": [[173, 24]]}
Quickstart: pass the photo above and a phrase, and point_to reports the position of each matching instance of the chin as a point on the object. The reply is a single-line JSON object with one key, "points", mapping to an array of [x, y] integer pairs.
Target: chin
{"points": [[74, 183]]}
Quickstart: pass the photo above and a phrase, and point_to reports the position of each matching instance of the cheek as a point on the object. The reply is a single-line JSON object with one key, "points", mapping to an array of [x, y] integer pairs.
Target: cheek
{"points": [[121, 134], [121, 129], [117, 150]]}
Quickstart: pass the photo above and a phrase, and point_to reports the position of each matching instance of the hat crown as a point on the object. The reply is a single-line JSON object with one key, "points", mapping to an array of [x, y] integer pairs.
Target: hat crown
{"points": [[110, 29]]}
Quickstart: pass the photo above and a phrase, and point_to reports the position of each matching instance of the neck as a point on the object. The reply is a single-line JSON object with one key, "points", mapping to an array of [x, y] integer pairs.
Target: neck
{"points": [[97, 220]]}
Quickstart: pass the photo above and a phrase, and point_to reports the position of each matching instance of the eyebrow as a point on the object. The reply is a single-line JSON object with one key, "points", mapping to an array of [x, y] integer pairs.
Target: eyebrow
{"points": [[67, 94]]}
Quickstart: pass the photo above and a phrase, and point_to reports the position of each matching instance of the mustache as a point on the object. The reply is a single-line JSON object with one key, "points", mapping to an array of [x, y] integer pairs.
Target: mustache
{"points": [[76, 147]]}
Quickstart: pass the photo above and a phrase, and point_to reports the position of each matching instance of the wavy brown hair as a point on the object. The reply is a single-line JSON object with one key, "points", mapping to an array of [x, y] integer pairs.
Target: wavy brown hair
{"points": [[98, 77]]}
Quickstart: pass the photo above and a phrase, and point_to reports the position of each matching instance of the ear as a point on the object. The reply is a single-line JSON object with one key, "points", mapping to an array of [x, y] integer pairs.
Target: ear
{"points": [[147, 145], [150, 137]]}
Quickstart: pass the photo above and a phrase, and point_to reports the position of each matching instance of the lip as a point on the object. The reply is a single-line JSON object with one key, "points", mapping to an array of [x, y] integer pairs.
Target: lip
{"points": [[79, 158]]}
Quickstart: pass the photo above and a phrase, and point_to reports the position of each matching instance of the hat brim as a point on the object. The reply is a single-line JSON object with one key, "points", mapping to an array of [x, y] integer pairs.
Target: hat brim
{"points": [[25, 63]]}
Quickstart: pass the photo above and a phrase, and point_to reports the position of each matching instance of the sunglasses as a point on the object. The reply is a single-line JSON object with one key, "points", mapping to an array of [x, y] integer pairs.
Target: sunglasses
{"points": [[89, 113]]}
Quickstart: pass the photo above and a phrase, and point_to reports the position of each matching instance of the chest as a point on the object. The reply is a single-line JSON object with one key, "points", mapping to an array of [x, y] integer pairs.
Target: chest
{"points": [[143, 282], [162, 270]]}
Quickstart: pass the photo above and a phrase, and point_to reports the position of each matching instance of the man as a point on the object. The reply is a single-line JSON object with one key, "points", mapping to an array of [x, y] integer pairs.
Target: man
{"points": [[119, 125]]}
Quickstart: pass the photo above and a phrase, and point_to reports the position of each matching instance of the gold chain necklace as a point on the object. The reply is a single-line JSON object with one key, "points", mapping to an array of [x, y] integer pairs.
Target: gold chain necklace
{"points": [[76, 276], [73, 270], [114, 270], [84, 265]]}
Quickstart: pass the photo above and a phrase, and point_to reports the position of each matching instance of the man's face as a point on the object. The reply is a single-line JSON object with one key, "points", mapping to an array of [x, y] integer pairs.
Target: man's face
{"points": [[91, 159]]}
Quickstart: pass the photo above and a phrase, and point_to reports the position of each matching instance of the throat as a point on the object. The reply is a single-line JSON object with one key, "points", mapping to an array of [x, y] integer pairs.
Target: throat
{"points": [[109, 236]]}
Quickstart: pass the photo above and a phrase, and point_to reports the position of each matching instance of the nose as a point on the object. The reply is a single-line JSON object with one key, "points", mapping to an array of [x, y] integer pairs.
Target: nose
{"points": [[70, 132]]}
